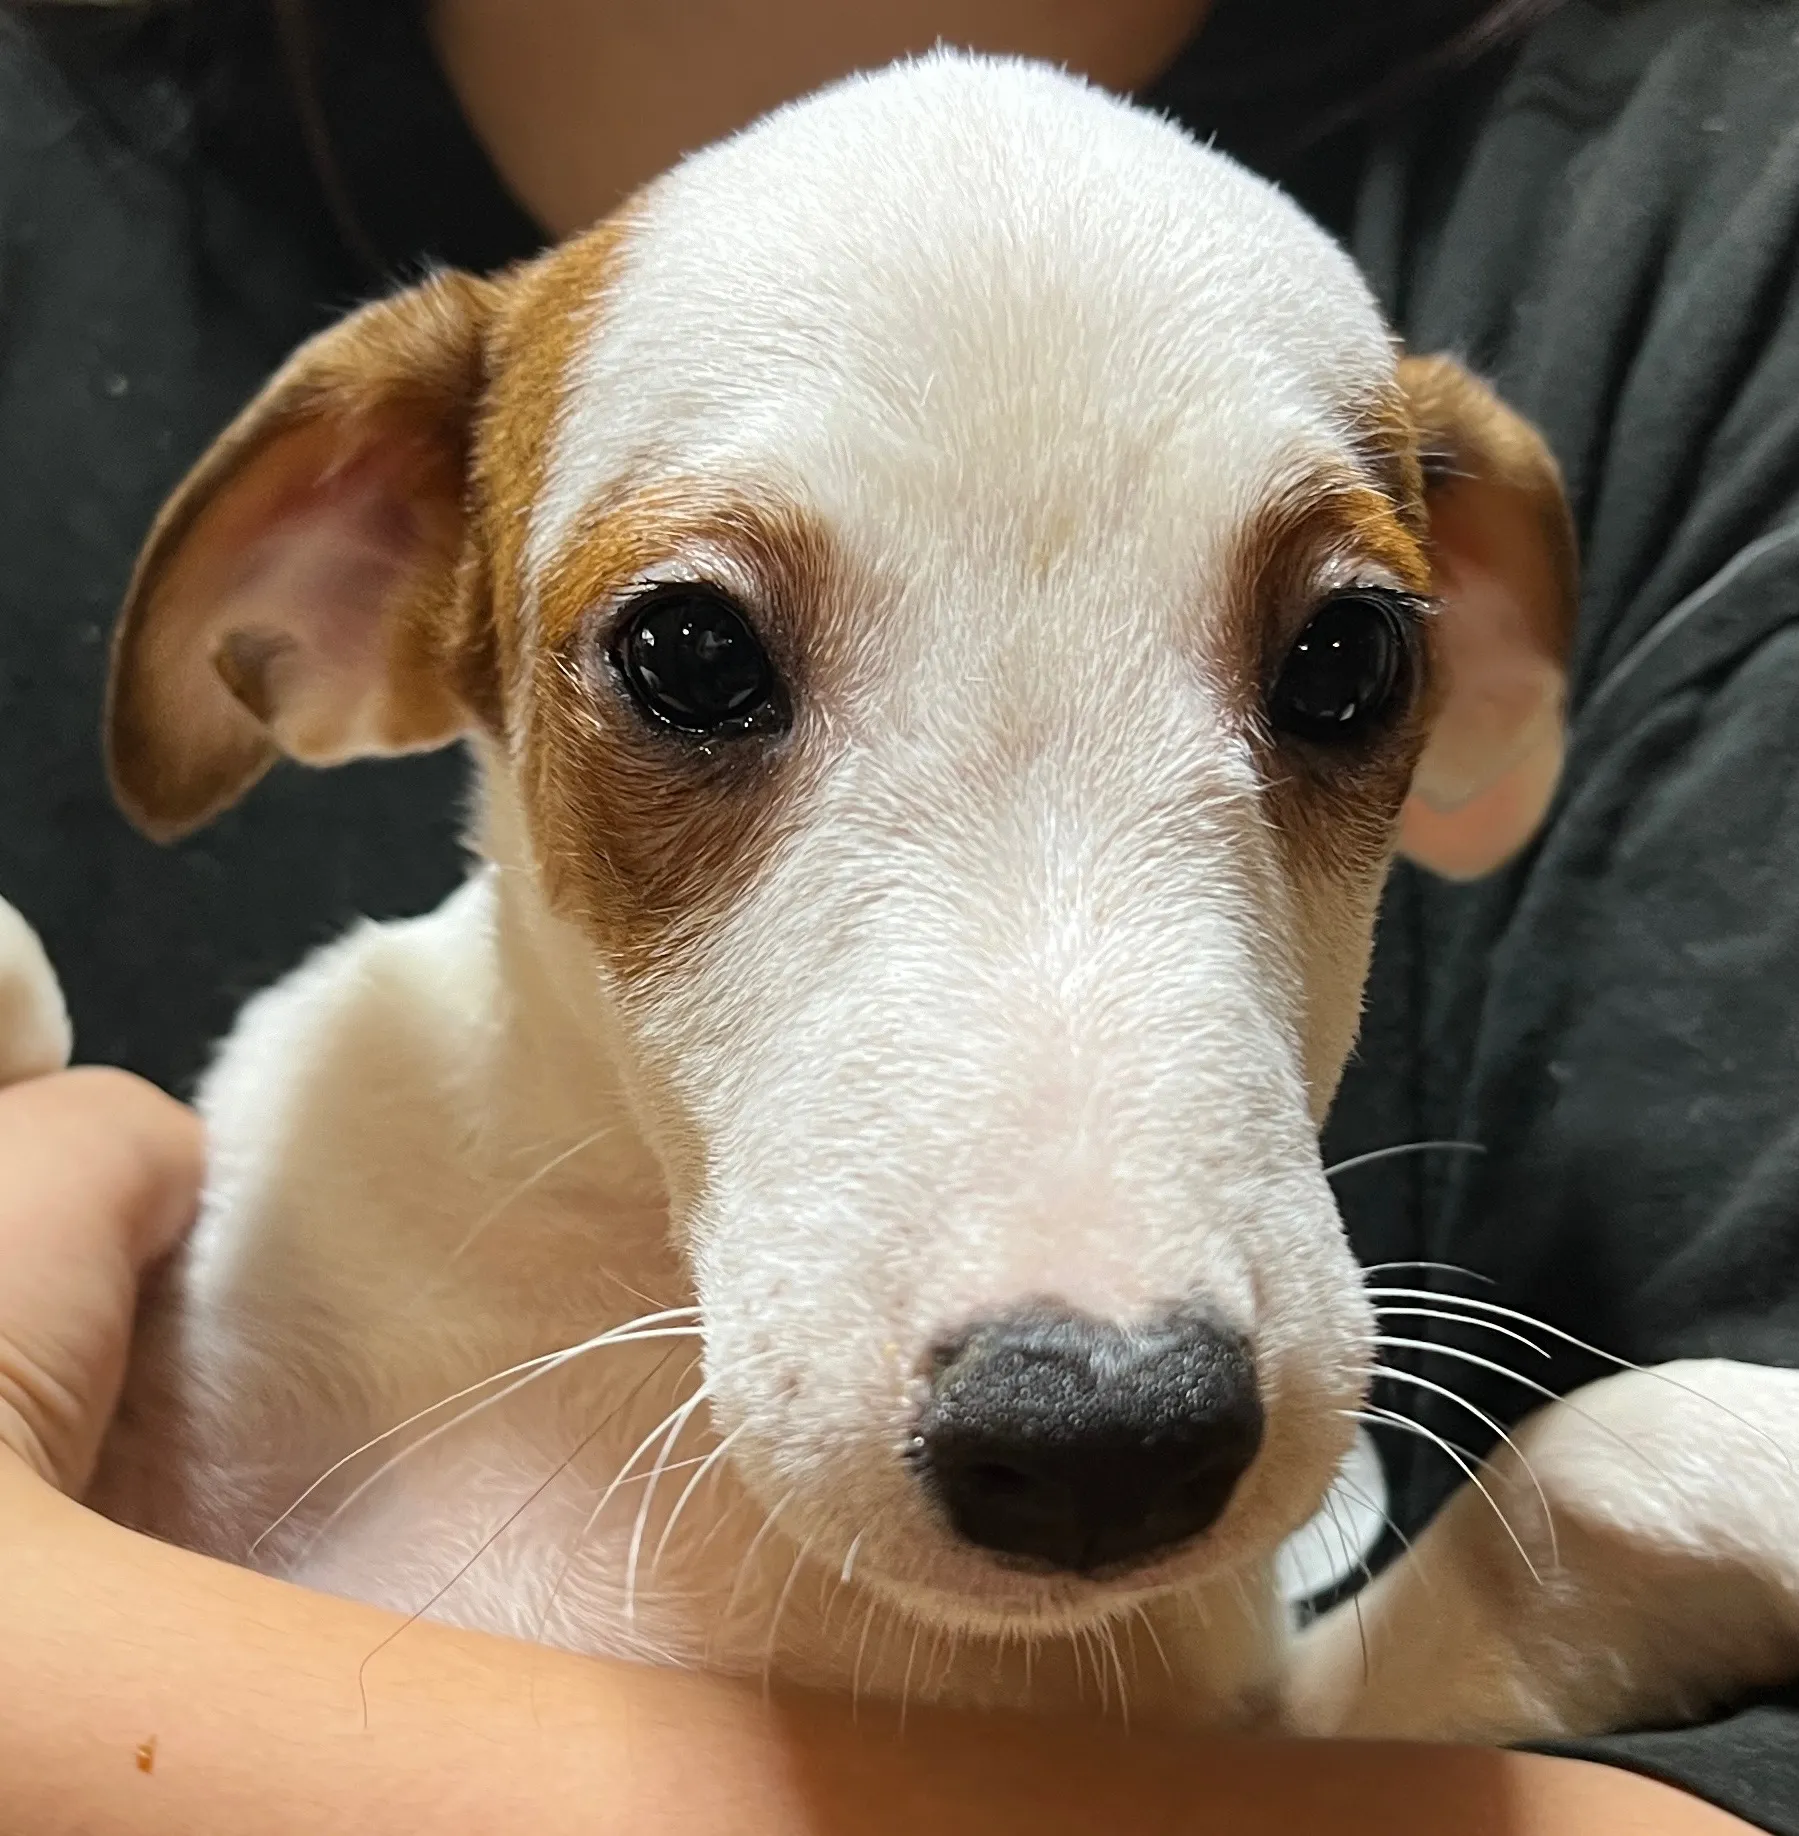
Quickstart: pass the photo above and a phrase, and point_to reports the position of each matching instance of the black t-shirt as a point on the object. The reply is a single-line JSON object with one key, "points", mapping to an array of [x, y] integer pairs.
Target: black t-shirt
{"points": [[1602, 217]]}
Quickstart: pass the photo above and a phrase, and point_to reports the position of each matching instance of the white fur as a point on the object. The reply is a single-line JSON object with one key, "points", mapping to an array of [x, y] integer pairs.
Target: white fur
{"points": [[1017, 1010]]}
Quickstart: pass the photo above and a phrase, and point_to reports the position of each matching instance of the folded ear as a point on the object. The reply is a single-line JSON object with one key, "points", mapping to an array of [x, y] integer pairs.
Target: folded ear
{"points": [[1503, 557], [295, 593]]}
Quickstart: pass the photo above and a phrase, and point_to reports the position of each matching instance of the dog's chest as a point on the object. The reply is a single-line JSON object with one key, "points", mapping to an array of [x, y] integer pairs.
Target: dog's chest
{"points": [[564, 1519], [561, 1518]]}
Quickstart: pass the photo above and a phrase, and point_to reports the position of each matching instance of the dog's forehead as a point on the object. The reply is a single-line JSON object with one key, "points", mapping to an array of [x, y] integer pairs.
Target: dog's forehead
{"points": [[959, 295]]}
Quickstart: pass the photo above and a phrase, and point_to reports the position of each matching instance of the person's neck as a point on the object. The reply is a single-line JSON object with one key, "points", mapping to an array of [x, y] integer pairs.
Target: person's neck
{"points": [[579, 102]]}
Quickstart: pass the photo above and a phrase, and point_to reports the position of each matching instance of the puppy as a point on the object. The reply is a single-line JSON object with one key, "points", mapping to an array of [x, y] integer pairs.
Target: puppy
{"points": [[954, 603]]}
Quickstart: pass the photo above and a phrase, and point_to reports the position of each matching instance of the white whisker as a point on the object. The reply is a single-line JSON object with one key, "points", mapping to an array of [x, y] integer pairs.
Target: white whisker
{"points": [[868, 1620], [1350, 1554], [774, 1623], [1486, 1421], [1080, 1672], [580, 1538], [578, 1542], [1605, 1357], [489, 1216], [706, 1465], [1155, 1638], [1403, 1147], [532, 1369], [1443, 1268], [1124, 1688], [1089, 1645], [1461, 1458], [1563, 1402], [749, 1555], [1462, 1319], [832, 1589], [906, 1683], [1358, 1496], [680, 1418], [1463, 1357], [625, 1471], [951, 1639], [1405, 1542], [739, 1500], [1345, 1558]]}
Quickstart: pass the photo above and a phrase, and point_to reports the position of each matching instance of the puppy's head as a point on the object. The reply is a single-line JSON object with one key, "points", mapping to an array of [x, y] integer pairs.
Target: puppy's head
{"points": [[961, 604]]}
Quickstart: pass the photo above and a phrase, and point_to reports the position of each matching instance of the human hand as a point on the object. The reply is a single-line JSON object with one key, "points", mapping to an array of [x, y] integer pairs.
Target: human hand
{"points": [[99, 1176]]}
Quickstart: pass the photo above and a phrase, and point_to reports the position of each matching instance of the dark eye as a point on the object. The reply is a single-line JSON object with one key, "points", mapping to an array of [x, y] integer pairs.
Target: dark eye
{"points": [[692, 661], [1349, 671]]}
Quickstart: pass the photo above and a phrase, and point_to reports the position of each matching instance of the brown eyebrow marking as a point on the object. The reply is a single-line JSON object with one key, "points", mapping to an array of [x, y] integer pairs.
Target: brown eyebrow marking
{"points": [[644, 837], [1334, 822], [1330, 514], [782, 552], [1384, 436]]}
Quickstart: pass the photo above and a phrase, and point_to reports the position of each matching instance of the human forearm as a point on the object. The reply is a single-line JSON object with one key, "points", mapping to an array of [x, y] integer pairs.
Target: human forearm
{"points": [[152, 1691]]}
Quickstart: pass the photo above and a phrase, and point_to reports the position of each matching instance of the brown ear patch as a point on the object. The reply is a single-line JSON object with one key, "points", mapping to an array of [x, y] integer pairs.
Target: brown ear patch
{"points": [[1495, 496], [296, 592]]}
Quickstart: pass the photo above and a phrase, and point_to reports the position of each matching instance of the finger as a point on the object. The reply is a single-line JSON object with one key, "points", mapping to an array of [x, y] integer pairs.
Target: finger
{"points": [[96, 1161], [99, 1175]]}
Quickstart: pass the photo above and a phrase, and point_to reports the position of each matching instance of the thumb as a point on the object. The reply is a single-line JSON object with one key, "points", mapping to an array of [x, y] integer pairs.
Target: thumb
{"points": [[99, 1175]]}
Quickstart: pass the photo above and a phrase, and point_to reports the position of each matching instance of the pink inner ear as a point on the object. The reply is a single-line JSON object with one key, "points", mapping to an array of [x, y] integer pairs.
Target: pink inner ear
{"points": [[1486, 831], [296, 588], [300, 624], [1494, 755]]}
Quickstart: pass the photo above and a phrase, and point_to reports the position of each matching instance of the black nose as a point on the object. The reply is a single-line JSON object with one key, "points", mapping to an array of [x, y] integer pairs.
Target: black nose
{"points": [[1079, 1445]]}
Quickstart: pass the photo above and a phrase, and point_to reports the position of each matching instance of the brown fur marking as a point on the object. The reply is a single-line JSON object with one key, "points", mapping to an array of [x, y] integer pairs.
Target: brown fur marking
{"points": [[642, 834], [1334, 811], [549, 306], [1495, 493]]}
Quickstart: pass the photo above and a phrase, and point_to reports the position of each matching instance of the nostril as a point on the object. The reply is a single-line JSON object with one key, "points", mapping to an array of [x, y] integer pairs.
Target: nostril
{"points": [[1071, 1443], [997, 1480]]}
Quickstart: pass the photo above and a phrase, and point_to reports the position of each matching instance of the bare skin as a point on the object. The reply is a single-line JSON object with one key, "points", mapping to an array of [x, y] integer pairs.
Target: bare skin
{"points": [[578, 103]]}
